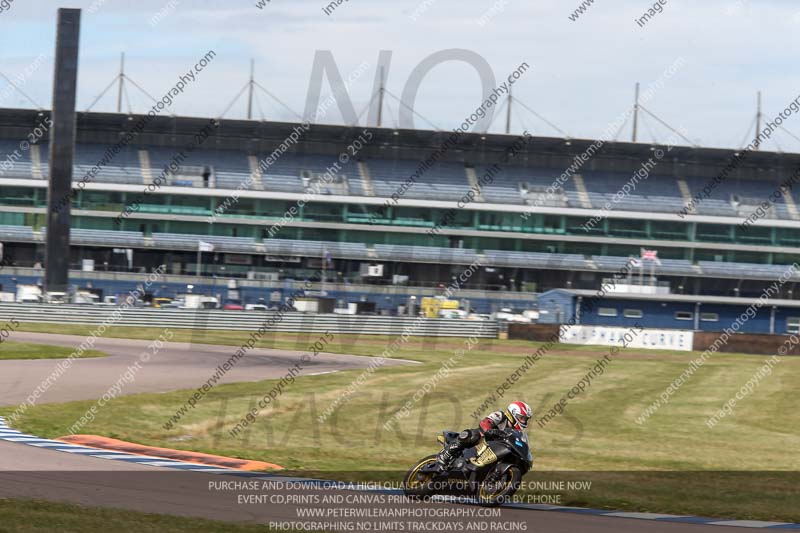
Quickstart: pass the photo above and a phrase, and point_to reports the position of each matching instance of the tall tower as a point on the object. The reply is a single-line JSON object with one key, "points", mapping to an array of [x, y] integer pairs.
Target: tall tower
{"points": [[62, 147]]}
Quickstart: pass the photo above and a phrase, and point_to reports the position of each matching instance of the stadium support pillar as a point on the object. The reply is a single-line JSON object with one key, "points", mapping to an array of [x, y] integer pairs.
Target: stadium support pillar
{"points": [[62, 145], [508, 112], [121, 87], [250, 85], [381, 91], [636, 113], [758, 116]]}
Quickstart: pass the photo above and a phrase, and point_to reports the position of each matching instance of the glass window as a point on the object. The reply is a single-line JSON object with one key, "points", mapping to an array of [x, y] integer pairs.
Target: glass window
{"points": [[606, 311], [709, 317], [684, 315], [632, 313], [793, 324]]}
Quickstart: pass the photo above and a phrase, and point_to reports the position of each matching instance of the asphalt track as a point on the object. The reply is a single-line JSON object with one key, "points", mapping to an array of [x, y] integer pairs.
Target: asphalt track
{"points": [[175, 366], [30, 472], [51, 475]]}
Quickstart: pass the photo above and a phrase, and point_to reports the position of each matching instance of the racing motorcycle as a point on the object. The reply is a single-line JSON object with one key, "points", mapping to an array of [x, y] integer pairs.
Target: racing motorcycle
{"points": [[490, 471]]}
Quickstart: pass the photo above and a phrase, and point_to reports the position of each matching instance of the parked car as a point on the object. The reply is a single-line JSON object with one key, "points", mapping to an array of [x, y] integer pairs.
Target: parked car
{"points": [[161, 302], [509, 315]]}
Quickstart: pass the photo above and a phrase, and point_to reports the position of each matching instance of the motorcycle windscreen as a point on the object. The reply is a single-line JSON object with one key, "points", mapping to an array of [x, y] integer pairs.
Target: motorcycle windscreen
{"points": [[517, 444]]}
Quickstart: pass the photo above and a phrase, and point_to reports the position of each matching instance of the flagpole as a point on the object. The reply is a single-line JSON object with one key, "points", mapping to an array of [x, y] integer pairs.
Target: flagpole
{"points": [[641, 267], [198, 260], [652, 273], [630, 277]]}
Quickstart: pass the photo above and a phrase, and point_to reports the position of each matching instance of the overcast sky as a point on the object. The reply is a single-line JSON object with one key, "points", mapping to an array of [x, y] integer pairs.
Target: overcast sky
{"points": [[581, 78]]}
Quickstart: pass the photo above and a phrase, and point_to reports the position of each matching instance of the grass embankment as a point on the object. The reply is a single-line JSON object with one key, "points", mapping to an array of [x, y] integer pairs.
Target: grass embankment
{"points": [[597, 438], [25, 350], [34, 516]]}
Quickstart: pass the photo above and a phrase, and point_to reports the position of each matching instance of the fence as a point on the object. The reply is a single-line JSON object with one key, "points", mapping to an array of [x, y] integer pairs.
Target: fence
{"points": [[245, 320]]}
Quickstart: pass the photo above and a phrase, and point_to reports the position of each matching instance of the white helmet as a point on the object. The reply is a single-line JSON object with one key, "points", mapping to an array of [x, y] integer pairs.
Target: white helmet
{"points": [[520, 413]]}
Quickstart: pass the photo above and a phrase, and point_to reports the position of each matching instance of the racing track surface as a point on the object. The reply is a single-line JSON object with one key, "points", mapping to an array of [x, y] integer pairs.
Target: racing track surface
{"points": [[30, 472], [51, 475], [173, 367]]}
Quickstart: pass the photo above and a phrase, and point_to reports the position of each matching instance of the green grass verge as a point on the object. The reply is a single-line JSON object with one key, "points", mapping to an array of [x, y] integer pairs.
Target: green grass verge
{"points": [[597, 438], [26, 350], [35, 516]]}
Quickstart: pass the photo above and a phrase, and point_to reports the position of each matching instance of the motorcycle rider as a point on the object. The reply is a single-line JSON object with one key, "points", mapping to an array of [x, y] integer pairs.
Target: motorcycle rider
{"points": [[516, 416]]}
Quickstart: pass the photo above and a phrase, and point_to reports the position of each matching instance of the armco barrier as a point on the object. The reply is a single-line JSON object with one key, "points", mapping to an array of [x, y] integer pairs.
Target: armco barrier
{"points": [[244, 320]]}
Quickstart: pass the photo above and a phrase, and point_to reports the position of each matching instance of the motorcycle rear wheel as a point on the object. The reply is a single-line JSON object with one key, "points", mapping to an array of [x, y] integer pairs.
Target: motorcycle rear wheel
{"points": [[494, 493], [413, 486]]}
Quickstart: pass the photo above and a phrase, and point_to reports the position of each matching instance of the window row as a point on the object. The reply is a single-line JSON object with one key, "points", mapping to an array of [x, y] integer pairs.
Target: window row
{"points": [[679, 315]]}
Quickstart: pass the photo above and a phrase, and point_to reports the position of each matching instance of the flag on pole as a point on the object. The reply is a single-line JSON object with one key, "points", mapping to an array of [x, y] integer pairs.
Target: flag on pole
{"points": [[650, 255], [203, 246]]}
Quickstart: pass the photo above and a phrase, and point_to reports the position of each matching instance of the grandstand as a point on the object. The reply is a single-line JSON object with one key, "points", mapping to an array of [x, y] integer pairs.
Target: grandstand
{"points": [[527, 227]]}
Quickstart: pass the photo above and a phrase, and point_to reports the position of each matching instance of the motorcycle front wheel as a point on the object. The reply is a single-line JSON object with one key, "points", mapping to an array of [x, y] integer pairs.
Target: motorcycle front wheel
{"points": [[499, 491], [416, 485]]}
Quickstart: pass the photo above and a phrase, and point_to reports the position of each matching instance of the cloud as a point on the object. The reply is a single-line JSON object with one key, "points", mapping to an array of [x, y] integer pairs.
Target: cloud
{"points": [[583, 72]]}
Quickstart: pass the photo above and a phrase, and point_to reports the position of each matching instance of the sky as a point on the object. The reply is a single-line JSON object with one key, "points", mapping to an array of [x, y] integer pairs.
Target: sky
{"points": [[581, 73]]}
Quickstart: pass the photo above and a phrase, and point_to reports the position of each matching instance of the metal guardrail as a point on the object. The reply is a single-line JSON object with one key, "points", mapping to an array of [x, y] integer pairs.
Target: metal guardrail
{"points": [[244, 320]]}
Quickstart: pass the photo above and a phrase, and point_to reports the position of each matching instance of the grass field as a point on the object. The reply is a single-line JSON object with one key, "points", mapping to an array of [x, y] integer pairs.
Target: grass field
{"points": [[34, 516], [650, 467], [24, 350]]}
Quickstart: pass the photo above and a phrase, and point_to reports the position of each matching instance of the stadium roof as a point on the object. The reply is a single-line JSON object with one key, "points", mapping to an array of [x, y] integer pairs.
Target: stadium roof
{"points": [[476, 148]]}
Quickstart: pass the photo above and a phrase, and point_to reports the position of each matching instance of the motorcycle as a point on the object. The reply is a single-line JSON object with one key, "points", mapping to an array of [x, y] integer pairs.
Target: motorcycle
{"points": [[490, 471]]}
